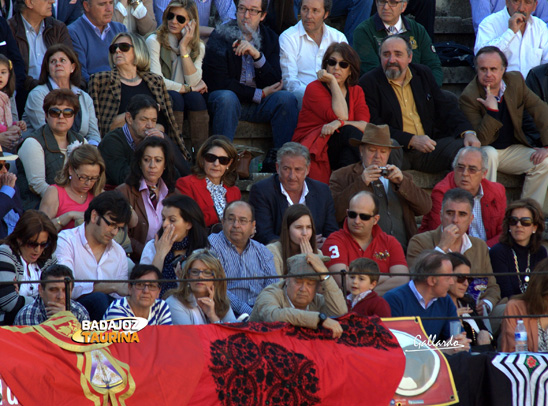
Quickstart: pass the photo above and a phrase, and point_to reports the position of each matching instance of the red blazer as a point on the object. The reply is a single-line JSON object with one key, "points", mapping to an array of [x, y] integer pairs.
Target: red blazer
{"points": [[196, 188], [493, 206], [371, 305], [315, 113]]}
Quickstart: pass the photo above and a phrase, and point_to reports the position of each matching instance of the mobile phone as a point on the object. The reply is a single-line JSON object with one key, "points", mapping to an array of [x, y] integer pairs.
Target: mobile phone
{"points": [[178, 259]]}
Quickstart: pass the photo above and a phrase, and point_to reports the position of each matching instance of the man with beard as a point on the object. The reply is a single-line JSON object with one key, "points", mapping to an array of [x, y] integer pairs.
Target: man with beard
{"points": [[422, 118]]}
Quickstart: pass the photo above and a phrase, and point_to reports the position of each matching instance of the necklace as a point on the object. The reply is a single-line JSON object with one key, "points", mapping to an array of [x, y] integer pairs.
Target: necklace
{"points": [[523, 285], [135, 79]]}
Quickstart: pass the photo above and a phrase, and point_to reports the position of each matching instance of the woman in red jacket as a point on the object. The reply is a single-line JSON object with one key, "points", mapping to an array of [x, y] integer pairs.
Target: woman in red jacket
{"points": [[334, 110], [212, 182]]}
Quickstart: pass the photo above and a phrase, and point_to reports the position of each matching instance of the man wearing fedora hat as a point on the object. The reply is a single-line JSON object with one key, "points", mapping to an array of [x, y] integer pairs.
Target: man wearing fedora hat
{"points": [[295, 300], [11, 207], [400, 200]]}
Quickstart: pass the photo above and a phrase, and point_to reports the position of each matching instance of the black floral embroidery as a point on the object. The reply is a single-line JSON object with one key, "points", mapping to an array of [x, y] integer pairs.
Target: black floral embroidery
{"points": [[248, 374], [258, 327]]}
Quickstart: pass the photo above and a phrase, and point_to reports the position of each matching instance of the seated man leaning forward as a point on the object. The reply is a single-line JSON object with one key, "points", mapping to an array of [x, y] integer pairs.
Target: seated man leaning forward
{"points": [[360, 237], [451, 236], [469, 170], [295, 301], [50, 299], [400, 199], [426, 296], [91, 252]]}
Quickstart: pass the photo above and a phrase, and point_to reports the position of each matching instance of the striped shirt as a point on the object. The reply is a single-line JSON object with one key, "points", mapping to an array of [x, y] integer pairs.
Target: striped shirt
{"points": [[35, 313], [159, 312], [255, 260]]}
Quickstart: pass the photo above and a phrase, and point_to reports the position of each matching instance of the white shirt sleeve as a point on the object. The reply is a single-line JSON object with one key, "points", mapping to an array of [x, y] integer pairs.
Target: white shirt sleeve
{"points": [[288, 63], [155, 67], [33, 160], [148, 253]]}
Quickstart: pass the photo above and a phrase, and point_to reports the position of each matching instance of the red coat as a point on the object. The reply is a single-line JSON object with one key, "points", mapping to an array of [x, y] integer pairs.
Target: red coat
{"points": [[197, 189], [371, 305], [317, 112], [493, 206]]}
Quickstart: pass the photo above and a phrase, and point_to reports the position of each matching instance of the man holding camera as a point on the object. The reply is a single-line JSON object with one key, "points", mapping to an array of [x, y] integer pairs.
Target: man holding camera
{"points": [[400, 200]]}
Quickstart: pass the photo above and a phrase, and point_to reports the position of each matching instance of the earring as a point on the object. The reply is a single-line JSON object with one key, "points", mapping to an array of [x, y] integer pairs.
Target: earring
{"points": [[70, 177]]}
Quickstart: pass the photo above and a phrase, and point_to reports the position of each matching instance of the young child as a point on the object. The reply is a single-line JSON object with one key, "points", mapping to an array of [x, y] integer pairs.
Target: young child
{"points": [[362, 299], [10, 128]]}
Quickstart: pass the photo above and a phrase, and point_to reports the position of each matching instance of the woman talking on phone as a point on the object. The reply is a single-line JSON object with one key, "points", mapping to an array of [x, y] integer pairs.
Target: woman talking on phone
{"points": [[176, 52]]}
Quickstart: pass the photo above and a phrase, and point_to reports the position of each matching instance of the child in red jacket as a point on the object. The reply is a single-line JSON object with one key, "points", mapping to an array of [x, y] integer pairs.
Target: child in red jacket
{"points": [[362, 299]]}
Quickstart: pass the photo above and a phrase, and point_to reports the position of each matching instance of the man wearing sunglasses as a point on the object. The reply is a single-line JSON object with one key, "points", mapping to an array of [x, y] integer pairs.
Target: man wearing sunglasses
{"points": [[242, 70], [361, 237], [91, 252], [452, 236], [389, 21], [92, 34]]}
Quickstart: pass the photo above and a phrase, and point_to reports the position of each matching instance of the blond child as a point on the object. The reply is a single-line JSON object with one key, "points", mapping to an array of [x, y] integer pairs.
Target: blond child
{"points": [[364, 276]]}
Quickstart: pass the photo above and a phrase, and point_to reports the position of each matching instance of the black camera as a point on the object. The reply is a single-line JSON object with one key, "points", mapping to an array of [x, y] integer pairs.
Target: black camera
{"points": [[384, 171]]}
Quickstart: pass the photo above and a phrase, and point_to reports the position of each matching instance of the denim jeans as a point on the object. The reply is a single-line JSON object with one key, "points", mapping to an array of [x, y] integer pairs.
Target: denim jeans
{"points": [[192, 101], [279, 109]]}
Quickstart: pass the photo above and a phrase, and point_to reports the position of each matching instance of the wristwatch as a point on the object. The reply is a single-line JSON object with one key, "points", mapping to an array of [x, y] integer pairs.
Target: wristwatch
{"points": [[321, 319]]}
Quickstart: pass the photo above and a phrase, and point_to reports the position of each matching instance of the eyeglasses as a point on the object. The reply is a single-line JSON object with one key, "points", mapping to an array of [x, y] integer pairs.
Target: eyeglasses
{"points": [[252, 11], [342, 64], [4, 165], [56, 113], [391, 3], [223, 160], [472, 170], [234, 220], [111, 224], [86, 179], [463, 278], [195, 273], [180, 19], [34, 244], [524, 221], [152, 287], [527, 2], [364, 217], [124, 47]]}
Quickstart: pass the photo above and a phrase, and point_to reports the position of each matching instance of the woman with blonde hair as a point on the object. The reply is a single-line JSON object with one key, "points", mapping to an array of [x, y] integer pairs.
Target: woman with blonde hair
{"points": [[200, 302], [81, 179], [176, 53]]}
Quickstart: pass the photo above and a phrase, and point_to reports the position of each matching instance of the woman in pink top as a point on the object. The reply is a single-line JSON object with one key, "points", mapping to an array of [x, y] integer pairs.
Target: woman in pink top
{"points": [[81, 179]]}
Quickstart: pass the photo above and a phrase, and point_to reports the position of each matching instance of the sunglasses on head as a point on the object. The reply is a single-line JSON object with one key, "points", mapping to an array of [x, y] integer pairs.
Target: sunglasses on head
{"points": [[56, 113], [180, 19], [4, 165], [124, 47], [34, 244], [525, 221], [462, 278], [364, 217], [223, 160], [342, 64]]}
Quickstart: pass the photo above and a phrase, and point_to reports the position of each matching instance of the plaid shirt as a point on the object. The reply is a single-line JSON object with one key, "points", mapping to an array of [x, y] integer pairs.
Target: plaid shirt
{"points": [[35, 313]]}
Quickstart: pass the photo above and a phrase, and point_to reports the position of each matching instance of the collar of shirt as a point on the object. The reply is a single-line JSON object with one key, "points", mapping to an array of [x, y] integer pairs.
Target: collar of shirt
{"points": [[501, 91], [97, 31], [303, 33], [408, 77], [129, 138], [302, 199], [81, 233], [162, 188], [466, 243], [479, 195], [229, 244], [399, 26], [419, 297], [290, 302], [355, 299], [54, 86], [29, 27]]}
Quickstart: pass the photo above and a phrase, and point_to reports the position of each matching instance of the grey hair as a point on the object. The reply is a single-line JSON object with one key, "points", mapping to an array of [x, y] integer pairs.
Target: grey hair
{"points": [[428, 262], [400, 36], [458, 195], [462, 151], [293, 149]]}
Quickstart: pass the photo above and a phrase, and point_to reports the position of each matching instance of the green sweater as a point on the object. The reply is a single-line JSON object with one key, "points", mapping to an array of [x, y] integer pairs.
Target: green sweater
{"points": [[369, 34]]}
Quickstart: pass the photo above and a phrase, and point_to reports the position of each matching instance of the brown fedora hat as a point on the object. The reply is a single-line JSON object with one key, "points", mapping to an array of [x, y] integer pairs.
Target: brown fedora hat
{"points": [[7, 158], [375, 135]]}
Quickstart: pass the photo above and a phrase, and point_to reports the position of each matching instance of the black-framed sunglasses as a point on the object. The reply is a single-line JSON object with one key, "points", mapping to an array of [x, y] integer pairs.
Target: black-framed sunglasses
{"points": [[525, 221], [364, 217], [462, 278], [34, 244], [56, 113], [223, 160], [342, 64], [124, 47], [4, 165], [180, 19]]}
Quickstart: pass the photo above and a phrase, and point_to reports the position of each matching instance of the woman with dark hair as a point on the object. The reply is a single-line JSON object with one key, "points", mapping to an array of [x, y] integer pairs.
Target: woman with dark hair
{"points": [[297, 236], [183, 231], [212, 182], [150, 180], [23, 254], [44, 152], [196, 302], [531, 303], [334, 111], [81, 179], [61, 70], [520, 248]]}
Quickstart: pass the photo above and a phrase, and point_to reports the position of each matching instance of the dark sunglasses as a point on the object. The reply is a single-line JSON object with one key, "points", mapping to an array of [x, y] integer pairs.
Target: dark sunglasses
{"points": [[4, 165], [342, 64], [525, 221], [364, 217], [462, 278], [34, 244], [56, 113], [223, 160], [180, 19], [124, 47]]}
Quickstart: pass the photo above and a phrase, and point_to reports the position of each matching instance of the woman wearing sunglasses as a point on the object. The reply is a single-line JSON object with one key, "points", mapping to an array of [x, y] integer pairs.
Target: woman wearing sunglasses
{"points": [[81, 179], [334, 111], [176, 53], [23, 254], [44, 152], [196, 301], [519, 249], [212, 184], [61, 70]]}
